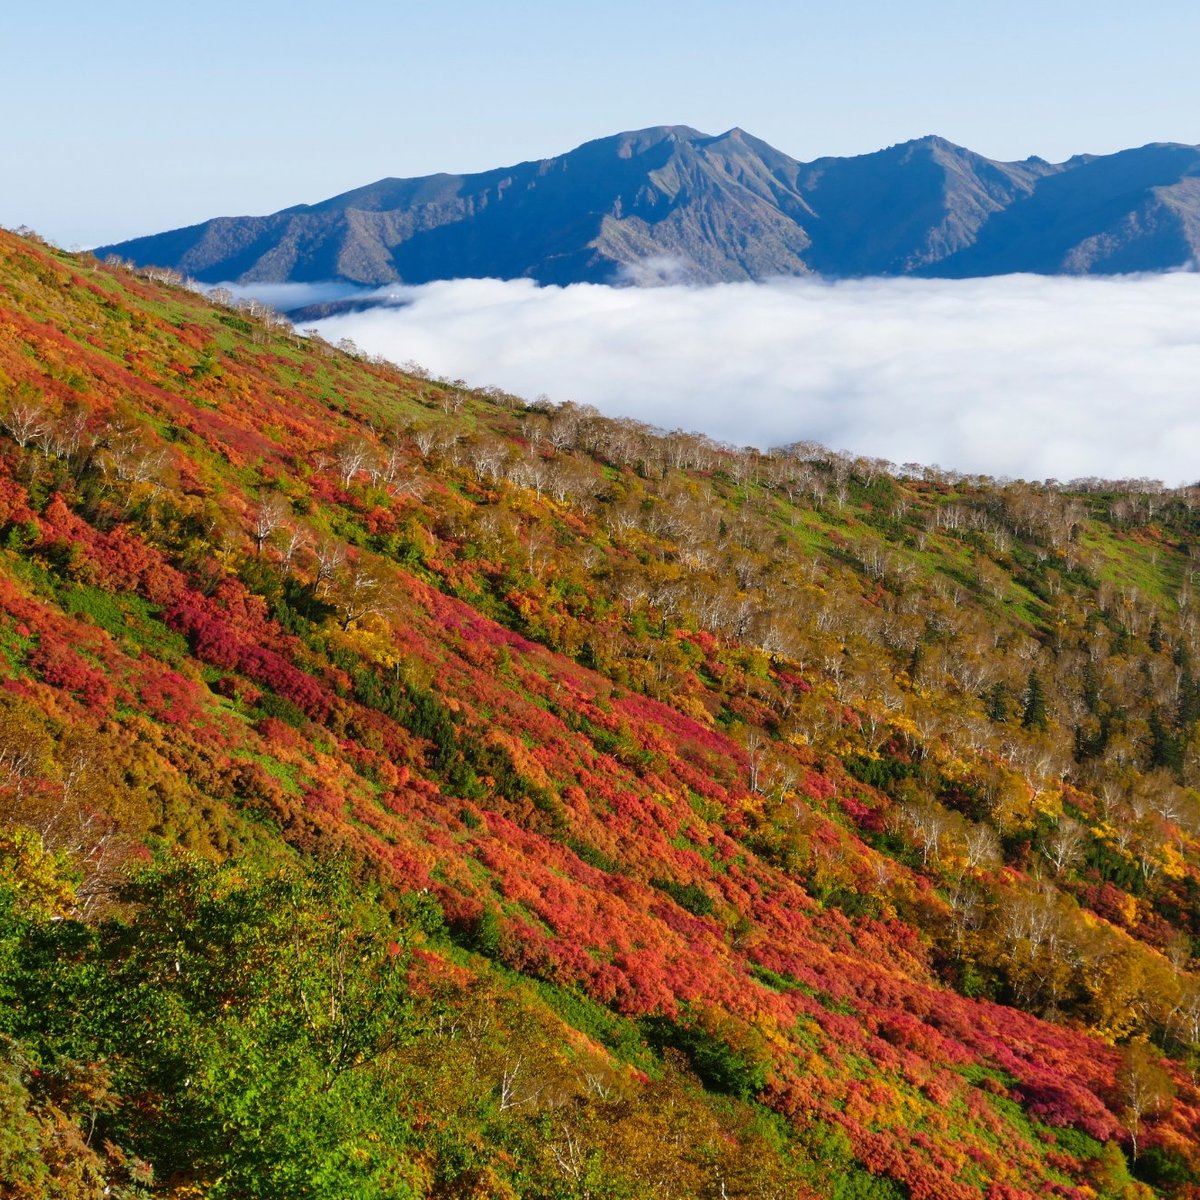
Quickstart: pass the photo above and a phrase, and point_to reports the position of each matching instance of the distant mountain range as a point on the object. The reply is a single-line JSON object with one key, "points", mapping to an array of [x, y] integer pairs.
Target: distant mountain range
{"points": [[671, 203]]}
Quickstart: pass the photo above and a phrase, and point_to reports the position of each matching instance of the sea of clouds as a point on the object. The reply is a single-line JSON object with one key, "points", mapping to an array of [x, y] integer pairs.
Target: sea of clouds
{"points": [[1022, 376]]}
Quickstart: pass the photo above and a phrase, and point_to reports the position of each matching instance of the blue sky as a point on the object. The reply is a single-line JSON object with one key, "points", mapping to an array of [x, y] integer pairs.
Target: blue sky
{"points": [[130, 117]]}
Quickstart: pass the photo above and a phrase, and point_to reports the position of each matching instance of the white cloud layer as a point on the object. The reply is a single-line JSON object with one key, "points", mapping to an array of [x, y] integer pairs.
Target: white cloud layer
{"points": [[1020, 376], [285, 296]]}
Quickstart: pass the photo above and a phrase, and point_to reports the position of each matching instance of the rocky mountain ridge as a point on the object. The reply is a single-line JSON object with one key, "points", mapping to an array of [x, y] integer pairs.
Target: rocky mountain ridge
{"points": [[672, 204]]}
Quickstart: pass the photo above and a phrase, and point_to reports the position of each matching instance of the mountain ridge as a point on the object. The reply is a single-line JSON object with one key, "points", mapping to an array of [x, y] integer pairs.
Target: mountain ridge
{"points": [[717, 208]]}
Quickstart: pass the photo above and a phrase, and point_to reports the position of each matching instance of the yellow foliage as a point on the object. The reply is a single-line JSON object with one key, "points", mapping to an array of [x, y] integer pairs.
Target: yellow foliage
{"points": [[34, 873], [1173, 863], [693, 707], [1012, 803], [1048, 802], [373, 642]]}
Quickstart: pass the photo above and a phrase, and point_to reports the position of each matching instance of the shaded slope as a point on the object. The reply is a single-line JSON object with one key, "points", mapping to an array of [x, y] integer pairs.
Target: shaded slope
{"points": [[908, 207], [1132, 211], [665, 191], [670, 203]]}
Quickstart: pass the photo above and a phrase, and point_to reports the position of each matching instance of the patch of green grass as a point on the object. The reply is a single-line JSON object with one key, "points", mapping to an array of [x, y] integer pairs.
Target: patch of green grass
{"points": [[285, 773], [782, 982], [127, 617], [1127, 563]]}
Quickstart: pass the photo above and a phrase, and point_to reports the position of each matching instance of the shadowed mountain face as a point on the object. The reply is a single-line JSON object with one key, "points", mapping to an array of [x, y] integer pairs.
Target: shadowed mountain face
{"points": [[670, 203]]}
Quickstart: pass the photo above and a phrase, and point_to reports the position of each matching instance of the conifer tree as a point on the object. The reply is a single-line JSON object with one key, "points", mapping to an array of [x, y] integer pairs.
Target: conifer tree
{"points": [[1035, 715]]}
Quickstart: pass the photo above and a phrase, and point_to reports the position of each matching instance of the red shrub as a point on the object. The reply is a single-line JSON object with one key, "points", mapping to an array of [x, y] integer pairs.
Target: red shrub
{"points": [[60, 667]]}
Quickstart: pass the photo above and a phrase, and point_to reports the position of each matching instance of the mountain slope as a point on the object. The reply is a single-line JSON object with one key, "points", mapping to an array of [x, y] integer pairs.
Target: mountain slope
{"points": [[866, 801], [659, 192], [909, 207], [672, 203], [1132, 211]]}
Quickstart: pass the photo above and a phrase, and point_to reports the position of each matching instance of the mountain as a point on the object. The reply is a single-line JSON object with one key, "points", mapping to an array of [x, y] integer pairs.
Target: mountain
{"points": [[670, 203], [411, 791], [1138, 210]]}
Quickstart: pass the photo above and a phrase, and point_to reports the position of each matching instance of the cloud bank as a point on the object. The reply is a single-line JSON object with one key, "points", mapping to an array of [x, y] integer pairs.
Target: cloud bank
{"points": [[286, 296], [1022, 376]]}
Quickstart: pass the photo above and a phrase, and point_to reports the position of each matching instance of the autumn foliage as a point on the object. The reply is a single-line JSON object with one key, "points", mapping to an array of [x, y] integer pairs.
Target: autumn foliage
{"points": [[848, 812]]}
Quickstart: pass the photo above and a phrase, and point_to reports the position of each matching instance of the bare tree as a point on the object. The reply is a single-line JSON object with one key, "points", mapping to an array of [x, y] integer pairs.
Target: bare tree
{"points": [[426, 438], [1064, 847], [130, 457], [926, 822], [359, 594], [350, 457], [514, 1089], [24, 420], [331, 554], [755, 757], [295, 541], [1184, 1021], [386, 469], [983, 847], [63, 437], [269, 516]]}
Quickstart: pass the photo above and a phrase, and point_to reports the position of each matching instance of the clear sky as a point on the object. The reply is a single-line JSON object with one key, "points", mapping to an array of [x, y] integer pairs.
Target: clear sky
{"points": [[133, 116]]}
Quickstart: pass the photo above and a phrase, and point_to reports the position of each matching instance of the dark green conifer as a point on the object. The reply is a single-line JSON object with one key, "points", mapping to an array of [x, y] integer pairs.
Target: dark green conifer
{"points": [[1035, 714], [996, 702]]}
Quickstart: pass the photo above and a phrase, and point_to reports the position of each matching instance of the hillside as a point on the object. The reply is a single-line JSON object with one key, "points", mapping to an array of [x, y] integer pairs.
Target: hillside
{"points": [[671, 203], [410, 791]]}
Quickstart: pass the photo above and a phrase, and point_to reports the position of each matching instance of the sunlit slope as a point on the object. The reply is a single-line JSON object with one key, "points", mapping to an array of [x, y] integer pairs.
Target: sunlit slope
{"points": [[873, 796]]}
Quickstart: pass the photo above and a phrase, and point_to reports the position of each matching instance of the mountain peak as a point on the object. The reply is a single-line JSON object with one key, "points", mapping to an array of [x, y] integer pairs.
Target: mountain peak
{"points": [[638, 141], [935, 143], [727, 207]]}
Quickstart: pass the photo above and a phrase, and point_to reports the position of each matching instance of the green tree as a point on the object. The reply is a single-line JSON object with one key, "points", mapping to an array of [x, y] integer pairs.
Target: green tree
{"points": [[996, 702], [247, 1021], [1035, 714]]}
